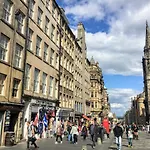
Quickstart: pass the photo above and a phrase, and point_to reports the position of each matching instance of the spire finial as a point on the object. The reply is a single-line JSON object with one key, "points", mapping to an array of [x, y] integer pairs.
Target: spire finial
{"points": [[146, 23]]}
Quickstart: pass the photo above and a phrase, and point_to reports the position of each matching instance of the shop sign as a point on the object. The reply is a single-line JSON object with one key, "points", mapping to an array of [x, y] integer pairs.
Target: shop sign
{"points": [[7, 121]]}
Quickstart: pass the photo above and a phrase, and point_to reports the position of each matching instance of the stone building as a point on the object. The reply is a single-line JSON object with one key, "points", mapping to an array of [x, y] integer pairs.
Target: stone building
{"points": [[146, 72], [136, 113], [99, 97], [12, 52], [42, 58]]}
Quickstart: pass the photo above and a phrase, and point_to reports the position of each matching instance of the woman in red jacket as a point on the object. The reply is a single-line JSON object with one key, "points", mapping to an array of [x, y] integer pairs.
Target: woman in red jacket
{"points": [[106, 125]]}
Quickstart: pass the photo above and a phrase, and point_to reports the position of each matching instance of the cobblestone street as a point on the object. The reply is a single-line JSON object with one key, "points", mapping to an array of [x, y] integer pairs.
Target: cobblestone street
{"points": [[142, 144], [47, 144]]}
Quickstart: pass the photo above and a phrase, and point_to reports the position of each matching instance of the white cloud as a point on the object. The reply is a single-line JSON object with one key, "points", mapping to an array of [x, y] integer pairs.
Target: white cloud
{"points": [[120, 99], [120, 50]]}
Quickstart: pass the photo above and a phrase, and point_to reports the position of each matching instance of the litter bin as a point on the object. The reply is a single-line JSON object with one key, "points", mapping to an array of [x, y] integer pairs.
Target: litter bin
{"points": [[9, 138]]}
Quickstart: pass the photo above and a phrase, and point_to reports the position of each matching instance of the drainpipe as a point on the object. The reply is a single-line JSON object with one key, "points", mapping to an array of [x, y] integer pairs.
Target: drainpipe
{"points": [[24, 65], [25, 50]]}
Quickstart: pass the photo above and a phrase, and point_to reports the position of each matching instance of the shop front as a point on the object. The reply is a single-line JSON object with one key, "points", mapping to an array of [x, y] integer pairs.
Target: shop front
{"points": [[36, 109], [65, 114], [10, 123]]}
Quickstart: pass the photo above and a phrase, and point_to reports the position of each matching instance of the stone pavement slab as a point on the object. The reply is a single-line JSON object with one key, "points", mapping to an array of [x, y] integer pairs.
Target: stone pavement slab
{"points": [[49, 144], [142, 144]]}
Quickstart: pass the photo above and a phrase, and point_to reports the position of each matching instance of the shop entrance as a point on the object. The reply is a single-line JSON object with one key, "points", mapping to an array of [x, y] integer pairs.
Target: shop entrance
{"points": [[1, 124], [33, 115]]}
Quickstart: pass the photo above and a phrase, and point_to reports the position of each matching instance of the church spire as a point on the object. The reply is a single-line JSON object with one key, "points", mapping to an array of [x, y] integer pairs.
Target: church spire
{"points": [[147, 39], [92, 61]]}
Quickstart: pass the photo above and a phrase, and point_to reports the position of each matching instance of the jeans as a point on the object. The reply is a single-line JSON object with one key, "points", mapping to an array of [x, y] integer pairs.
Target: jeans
{"points": [[69, 137], [58, 136], [75, 137], [118, 142], [94, 139], [130, 141]]}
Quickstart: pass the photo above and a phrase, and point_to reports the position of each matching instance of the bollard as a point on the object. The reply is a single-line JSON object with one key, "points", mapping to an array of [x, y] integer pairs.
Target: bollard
{"points": [[99, 141], [84, 147]]}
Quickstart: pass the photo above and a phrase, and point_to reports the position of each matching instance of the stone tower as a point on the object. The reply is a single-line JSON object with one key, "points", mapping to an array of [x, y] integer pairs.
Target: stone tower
{"points": [[85, 74], [146, 72]]}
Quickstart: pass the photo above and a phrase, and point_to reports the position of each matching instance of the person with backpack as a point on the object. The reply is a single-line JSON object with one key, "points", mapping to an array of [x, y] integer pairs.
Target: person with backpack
{"points": [[94, 132], [31, 135], [118, 132]]}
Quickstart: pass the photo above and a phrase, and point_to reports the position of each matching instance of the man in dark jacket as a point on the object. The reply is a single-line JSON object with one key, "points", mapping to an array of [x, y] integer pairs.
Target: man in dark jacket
{"points": [[118, 132], [93, 132]]}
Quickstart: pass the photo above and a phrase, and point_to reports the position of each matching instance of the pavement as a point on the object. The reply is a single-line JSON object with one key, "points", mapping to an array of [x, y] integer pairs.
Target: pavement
{"points": [[49, 143], [142, 144]]}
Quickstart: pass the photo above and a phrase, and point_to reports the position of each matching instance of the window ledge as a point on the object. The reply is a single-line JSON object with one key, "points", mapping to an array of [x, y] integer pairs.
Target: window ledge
{"points": [[17, 68], [4, 62], [10, 25]]}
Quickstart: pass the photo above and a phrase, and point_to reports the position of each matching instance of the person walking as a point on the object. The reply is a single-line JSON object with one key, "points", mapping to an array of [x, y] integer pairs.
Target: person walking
{"points": [[106, 125], [59, 132], [118, 132], [84, 132], [130, 137], [135, 131], [94, 132], [69, 127], [74, 132], [31, 135]]}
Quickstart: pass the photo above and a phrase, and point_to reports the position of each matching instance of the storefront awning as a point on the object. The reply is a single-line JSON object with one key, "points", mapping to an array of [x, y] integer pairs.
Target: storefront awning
{"points": [[85, 117]]}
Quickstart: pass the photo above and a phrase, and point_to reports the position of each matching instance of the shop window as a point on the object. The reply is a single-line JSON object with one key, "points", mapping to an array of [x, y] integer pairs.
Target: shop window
{"points": [[15, 88]]}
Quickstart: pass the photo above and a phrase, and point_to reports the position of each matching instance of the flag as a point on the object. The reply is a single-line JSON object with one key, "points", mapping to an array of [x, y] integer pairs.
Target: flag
{"points": [[36, 120], [45, 121]]}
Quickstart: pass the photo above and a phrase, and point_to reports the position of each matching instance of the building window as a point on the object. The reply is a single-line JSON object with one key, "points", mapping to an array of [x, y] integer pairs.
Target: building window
{"points": [[95, 104], [48, 4], [20, 22], [92, 104], [46, 25], [7, 10], [57, 61], [38, 46], [27, 76], [52, 32], [15, 88], [31, 9], [18, 53], [95, 94], [36, 80], [57, 42], [53, 9], [30, 36], [45, 52], [2, 83], [51, 86], [56, 88], [91, 94], [39, 17], [44, 83], [52, 57], [4, 42]]}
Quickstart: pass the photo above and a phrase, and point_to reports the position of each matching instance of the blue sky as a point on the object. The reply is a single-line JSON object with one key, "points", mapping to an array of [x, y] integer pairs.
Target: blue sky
{"points": [[115, 37]]}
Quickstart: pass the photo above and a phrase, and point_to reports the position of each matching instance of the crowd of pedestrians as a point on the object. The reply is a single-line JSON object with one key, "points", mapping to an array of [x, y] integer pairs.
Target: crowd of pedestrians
{"points": [[70, 130], [131, 134]]}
